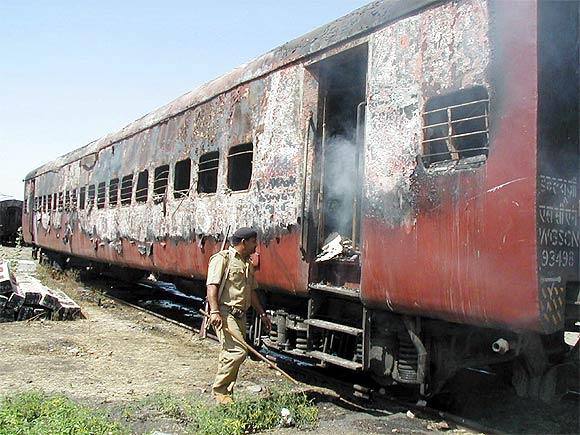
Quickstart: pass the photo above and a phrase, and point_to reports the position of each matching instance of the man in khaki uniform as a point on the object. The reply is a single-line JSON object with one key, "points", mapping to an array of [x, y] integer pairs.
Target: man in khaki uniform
{"points": [[230, 292]]}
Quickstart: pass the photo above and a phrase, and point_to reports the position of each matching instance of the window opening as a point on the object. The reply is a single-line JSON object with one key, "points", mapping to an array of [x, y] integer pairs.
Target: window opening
{"points": [[240, 166], [91, 196], [55, 201], [49, 202], [73, 199], [456, 126], [67, 200], [113, 192], [160, 181], [60, 201], [82, 198], [182, 178], [126, 189], [207, 174], [101, 192], [142, 186]]}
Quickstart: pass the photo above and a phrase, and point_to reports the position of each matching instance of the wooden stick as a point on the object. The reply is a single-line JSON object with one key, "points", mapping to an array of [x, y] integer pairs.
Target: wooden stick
{"points": [[249, 348]]}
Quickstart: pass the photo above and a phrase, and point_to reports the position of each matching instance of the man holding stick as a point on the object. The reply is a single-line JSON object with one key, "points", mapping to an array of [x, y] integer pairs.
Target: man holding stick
{"points": [[231, 290]]}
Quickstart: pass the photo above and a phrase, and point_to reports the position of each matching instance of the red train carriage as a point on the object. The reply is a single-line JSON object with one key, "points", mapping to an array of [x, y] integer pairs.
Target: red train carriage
{"points": [[412, 169]]}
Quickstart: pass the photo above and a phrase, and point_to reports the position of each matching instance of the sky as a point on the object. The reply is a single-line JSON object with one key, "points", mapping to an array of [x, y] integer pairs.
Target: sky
{"points": [[73, 71]]}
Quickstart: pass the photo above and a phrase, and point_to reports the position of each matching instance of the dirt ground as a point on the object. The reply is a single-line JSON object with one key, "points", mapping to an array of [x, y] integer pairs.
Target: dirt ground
{"points": [[118, 355]]}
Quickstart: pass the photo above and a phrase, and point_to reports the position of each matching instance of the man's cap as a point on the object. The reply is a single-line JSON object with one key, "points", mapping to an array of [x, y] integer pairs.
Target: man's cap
{"points": [[245, 233]]}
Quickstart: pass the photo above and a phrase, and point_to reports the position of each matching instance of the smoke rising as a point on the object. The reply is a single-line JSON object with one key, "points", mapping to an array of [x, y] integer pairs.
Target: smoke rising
{"points": [[340, 185]]}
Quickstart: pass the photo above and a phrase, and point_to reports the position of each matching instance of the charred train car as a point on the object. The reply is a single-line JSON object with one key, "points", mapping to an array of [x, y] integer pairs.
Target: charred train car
{"points": [[412, 169], [10, 219]]}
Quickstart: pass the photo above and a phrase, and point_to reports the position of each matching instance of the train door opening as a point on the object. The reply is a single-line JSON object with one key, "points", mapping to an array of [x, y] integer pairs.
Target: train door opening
{"points": [[341, 101]]}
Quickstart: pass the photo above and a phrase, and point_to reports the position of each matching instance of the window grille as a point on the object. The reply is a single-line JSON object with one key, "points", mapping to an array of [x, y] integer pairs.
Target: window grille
{"points": [[182, 178], [67, 200], [73, 199], [456, 126], [101, 194], [113, 192], [82, 198], [61, 200], [142, 186], [160, 181], [126, 189], [207, 174], [240, 166], [91, 196]]}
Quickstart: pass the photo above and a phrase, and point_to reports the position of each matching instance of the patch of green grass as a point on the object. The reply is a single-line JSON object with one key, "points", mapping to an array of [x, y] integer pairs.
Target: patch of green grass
{"points": [[247, 415], [36, 413], [255, 414]]}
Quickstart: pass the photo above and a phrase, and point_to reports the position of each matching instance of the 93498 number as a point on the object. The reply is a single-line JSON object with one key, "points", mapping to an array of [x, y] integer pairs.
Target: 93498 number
{"points": [[557, 258]]}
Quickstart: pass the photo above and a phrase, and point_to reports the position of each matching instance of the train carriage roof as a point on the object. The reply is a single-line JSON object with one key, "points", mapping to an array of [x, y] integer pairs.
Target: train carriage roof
{"points": [[357, 23]]}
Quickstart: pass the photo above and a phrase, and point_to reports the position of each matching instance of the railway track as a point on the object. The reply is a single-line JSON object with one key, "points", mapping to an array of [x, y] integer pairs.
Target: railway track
{"points": [[356, 392]]}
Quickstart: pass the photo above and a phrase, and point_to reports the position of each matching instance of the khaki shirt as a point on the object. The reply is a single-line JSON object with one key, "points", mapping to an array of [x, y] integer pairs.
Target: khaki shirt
{"points": [[240, 282]]}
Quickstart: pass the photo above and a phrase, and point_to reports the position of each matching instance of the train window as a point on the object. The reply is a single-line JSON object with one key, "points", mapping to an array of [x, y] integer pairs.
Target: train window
{"points": [[240, 166], [456, 126], [207, 174], [91, 196], [126, 189], [142, 186], [101, 194], [60, 201], [113, 192], [182, 178], [82, 198], [73, 199], [160, 181]]}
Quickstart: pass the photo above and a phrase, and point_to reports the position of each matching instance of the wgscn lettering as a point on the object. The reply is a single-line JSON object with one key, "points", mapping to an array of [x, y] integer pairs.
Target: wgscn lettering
{"points": [[558, 237]]}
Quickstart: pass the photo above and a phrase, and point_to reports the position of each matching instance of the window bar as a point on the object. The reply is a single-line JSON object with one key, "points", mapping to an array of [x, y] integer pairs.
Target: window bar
{"points": [[456, 105], [450, 143], [207, 170], [456, 136], [240, 153], [456, 121]]}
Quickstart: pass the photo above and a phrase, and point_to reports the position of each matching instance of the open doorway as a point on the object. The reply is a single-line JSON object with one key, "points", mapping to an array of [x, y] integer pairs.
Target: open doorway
{"points": [[342, 95]]}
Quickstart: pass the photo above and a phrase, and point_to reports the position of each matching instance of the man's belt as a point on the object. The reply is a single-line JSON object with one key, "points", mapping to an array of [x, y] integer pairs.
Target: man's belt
{"points": [[235, 312]]}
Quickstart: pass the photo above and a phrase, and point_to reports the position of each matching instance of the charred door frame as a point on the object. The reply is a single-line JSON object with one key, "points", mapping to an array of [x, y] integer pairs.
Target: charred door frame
{"points": [[318, 130]]}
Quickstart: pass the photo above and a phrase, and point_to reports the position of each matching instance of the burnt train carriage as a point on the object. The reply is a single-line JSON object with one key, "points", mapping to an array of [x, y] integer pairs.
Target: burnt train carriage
{"points": [[10, 218], [411, 168]]}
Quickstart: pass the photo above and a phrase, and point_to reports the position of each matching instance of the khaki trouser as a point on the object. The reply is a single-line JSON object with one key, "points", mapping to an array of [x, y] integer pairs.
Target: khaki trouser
{"points": [[231, 356]]}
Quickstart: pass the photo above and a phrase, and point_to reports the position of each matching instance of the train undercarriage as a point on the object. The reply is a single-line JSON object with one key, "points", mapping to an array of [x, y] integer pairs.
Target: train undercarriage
{"points": [[332, 328]]}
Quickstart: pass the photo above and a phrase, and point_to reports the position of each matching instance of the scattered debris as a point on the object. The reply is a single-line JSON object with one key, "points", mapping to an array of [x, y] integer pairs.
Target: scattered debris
{"points": [[438, 426], [254, 388], [410, 414], [28, 299], [334, 246], [286, 419]]}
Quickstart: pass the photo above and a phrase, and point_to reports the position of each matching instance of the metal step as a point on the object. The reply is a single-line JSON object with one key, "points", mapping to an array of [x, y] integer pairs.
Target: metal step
{"points": [[323, 324], [336, 360], [342, 291]]}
